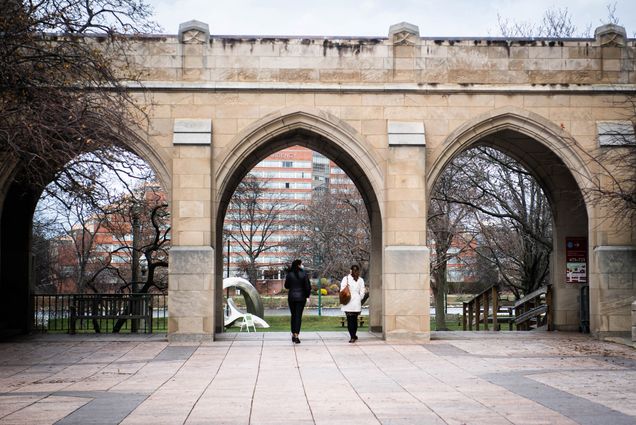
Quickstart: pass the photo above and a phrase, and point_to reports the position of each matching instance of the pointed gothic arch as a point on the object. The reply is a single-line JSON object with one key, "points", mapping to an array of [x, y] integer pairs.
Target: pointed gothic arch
{"points": [[321, 132], [550, 154]]}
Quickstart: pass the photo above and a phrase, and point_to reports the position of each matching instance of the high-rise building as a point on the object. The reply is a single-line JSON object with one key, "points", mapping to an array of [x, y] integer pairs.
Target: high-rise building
{"points": [[290, 178]]}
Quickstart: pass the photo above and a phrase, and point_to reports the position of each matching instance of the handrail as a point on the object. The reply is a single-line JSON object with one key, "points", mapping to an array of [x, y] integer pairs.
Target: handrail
{"points": [[531, 311], [479, 307], [531, 295], [534, 310]]}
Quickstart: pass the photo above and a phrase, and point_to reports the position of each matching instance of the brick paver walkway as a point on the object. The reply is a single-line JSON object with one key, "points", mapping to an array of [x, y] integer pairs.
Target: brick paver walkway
{"points": [[462, 378]]}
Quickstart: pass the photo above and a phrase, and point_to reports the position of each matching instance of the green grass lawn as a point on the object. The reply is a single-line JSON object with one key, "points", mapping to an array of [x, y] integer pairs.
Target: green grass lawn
{"points": [[310, 324], [328, 323], [277, 324]]}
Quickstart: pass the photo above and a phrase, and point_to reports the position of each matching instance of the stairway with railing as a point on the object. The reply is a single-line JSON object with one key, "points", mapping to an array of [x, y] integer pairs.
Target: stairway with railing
{"points": [[534, 311], [485, 309]]}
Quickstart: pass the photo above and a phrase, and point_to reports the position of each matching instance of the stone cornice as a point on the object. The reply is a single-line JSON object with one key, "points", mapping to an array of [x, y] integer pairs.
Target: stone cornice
{"points": [[381, 88]]}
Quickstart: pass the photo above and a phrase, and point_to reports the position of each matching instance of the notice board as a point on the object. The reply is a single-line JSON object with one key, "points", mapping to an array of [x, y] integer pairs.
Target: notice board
{"points": [[576, 260]]}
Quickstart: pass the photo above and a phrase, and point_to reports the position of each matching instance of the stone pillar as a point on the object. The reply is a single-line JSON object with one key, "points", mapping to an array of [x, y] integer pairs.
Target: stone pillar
{"points": [[191, 294], [191, 271], [406, 293], [406, 281], [611, 300]]}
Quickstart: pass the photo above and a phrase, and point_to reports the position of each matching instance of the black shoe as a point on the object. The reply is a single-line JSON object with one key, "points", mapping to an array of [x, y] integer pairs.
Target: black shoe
{"points": [[355, 338], [352, 340], [297, 340]]}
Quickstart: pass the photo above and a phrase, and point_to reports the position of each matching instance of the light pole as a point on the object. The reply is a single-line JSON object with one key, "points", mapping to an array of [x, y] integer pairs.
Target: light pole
{"points": [[227, 290], [319, 296], [144, 279], [136, 225], [135, 253]]}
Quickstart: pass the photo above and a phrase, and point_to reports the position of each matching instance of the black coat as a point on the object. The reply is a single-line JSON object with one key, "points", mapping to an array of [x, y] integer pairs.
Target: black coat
{"points": [[298, 284]]}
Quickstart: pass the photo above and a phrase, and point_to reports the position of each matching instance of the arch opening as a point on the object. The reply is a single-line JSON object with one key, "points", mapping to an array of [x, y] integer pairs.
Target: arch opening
{"points": [[532, 145], [22, 254], [325, 146]]}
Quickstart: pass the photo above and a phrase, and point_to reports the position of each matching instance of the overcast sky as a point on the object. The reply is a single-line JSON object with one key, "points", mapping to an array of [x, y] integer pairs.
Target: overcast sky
{"points": [[373, 17]]}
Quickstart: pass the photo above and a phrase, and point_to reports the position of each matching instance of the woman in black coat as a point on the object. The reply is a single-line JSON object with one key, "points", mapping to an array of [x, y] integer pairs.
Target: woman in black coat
{"points": [[297, 282]]}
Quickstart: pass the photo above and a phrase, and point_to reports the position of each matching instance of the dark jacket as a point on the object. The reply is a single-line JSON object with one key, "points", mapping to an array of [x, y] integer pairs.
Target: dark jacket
{"points": [[298, 284]]}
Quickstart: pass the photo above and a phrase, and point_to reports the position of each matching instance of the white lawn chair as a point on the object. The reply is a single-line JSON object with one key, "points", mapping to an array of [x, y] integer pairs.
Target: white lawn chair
{"points": [[248, 321]]}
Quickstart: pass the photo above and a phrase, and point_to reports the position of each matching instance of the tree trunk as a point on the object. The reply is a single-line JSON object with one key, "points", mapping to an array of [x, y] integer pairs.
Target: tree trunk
{"points": [[252, 274], [439, 294]]}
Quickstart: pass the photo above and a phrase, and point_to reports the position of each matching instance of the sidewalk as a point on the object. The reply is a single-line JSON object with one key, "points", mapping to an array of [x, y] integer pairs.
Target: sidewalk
{"points": [[458, 378]]}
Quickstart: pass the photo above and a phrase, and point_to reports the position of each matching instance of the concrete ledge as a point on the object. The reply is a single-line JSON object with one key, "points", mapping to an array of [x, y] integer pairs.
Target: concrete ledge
{"points": [[407, 337], [206, 86]]}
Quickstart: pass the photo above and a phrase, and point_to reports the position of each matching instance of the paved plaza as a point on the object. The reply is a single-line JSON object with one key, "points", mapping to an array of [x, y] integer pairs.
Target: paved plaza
{"points": [[457, 378]]}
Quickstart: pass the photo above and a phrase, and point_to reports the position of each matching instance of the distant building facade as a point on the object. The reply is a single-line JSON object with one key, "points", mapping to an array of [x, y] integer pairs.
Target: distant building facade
{"points": [[292, 177], [103, 246]]}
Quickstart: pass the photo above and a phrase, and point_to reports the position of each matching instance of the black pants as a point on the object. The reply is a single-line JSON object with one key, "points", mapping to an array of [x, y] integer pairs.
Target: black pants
{"points": [[352, 322], [296, 308]]}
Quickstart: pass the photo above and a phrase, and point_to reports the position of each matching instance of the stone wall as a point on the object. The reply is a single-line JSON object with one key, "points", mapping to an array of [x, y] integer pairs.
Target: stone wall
{"points": [[391, 108], [403, 57]]}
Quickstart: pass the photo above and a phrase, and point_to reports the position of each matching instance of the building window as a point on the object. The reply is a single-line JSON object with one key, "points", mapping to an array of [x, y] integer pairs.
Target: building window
{"points": [[288, 164]]}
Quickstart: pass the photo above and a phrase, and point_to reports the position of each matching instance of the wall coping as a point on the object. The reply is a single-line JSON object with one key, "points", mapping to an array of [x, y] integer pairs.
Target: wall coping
{"points": [[379, 87]]}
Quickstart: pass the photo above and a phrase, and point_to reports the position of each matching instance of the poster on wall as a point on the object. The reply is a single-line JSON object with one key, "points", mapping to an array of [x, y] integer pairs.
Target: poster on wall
{"points": [[576, 260]]}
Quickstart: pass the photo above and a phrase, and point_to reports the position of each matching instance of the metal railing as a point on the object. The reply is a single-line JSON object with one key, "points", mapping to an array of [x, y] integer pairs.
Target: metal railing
{"points": [[81, 313]]}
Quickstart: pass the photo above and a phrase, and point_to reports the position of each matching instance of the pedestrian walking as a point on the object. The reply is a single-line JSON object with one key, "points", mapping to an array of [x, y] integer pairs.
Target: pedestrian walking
{"points": [[297, 282], [353, 308]]}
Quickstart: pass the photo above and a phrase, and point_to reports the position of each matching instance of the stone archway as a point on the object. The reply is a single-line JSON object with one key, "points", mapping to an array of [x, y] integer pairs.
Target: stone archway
{"points": [[320, 132], [548, 152], [18, 202]]}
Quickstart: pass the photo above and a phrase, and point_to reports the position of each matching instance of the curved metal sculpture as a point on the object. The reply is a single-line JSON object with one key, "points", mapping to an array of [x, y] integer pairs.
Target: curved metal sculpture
{"points": [[235, 314], [250, 294]]}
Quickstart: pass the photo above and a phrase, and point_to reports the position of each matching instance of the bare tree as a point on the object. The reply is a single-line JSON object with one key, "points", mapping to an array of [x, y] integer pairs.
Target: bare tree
{"points": [[254, 215], [555, 23], [45, 276], [61, 63], [333, 232], [510, 212], [448, 235], [89, 209], [151, 240], [613, 182]]}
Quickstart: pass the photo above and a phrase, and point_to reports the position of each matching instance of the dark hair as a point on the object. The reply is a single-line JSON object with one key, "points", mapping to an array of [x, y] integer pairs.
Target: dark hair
{"points": [[355, 267], [295, 265]]}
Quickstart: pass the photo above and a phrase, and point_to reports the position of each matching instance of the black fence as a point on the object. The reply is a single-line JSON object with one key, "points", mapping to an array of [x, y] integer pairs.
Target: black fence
{"points": [[88, 313]]}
